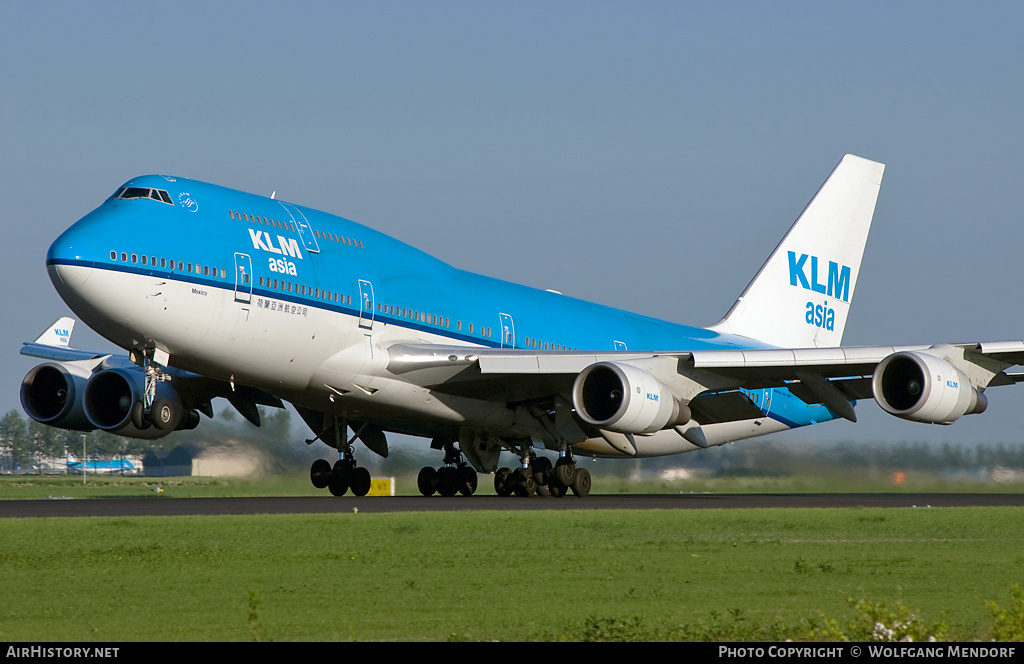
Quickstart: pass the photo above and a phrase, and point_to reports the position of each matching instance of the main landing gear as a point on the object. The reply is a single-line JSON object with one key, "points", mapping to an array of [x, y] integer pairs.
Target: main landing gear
{"points": [[543, 479], [537, 476], [345, 475], [455, 476]]}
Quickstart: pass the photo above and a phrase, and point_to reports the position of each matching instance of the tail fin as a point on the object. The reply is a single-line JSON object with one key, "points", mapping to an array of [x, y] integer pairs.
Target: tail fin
{"points": [[801, 296], [58, 334]]}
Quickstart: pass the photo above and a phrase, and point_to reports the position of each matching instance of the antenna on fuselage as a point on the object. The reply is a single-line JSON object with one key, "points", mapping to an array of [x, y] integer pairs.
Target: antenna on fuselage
{"points": [[273, 194]]}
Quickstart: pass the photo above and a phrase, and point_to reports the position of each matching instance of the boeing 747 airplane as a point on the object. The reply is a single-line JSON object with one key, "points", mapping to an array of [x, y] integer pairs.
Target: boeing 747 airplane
{"points": [[218, 293]]}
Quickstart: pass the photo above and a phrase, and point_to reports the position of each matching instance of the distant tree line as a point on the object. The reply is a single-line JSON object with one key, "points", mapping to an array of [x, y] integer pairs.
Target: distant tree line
{"points": [[280, 442], [24, 441]]}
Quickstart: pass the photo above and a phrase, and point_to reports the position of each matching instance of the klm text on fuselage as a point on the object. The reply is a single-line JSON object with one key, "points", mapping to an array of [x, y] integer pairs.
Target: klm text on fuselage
{"points": [[286, 247], [837, 285]]}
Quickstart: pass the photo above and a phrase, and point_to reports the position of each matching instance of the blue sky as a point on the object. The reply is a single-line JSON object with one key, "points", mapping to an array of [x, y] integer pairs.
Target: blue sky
{"points": [[646, 155]]}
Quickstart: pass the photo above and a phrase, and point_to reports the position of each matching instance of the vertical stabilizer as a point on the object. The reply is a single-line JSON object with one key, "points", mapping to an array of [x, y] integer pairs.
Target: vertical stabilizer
{"points": [[58, 334], [801, 296]]}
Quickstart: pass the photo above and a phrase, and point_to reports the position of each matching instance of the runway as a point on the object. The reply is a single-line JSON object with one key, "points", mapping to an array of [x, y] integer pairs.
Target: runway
{"points": [[326, 505]]}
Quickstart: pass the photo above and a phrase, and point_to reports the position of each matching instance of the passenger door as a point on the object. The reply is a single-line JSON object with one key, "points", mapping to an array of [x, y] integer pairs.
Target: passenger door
{"points": [[243, 278], [366, 304]]}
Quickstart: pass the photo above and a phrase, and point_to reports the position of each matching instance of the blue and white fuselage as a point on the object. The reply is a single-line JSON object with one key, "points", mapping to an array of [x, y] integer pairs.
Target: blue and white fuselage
{"points": [[219, 293], [304, 304]]}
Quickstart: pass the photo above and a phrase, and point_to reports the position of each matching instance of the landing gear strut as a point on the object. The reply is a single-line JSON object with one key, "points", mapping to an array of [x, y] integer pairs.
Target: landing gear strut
{"points": [[158, 411]]}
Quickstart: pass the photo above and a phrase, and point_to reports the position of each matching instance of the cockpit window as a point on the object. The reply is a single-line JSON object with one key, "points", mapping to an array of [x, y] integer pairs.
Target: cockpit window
{"points": [[125, 193]]}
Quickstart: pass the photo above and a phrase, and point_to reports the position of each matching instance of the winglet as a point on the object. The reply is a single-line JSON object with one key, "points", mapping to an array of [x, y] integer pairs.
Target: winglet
{"points": [[801, 296], [58, 334]]}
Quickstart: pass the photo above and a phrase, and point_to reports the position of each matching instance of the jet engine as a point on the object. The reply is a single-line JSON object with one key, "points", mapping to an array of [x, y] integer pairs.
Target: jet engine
{"points": [[622, 398], [113, 402], [52, 394], [925, 388]]}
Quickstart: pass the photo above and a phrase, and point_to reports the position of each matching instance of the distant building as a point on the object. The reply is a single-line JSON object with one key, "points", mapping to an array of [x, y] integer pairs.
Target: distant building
{"points": [[174, 463], [190, 460]]}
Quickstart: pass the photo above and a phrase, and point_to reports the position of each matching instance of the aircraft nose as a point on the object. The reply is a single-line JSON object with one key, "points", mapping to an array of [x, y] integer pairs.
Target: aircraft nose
{"points": [[70, 259]]}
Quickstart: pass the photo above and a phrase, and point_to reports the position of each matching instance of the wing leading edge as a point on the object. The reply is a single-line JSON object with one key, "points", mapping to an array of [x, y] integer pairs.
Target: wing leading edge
{"points": [[833, 377]]}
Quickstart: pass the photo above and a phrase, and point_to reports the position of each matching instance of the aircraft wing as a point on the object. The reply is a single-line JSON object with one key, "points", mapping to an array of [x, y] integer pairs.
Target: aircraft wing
{"points": [[709, 380], [58, 354]]}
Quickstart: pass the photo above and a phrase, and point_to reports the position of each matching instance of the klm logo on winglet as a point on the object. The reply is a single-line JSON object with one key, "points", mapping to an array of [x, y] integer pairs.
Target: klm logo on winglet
{"points": [[836, 285], [63, 337]]}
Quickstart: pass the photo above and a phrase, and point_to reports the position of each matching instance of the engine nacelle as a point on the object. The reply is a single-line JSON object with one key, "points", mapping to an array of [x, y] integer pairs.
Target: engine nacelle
{"points": [[52, 394], [622, 398], [924, 388], [110, 404]]}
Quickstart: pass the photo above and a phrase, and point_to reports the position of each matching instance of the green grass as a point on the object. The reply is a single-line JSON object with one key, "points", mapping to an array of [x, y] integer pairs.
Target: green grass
{"points": [[566, 575]]}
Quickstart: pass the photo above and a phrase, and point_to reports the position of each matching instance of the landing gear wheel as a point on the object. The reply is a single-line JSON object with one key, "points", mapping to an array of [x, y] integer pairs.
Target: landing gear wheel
{"points": [[359, 482], [581, 482], [541, 467], [556, 490], [447, 481], [502, 482], [164, 415], [564, 471], [340, 475], [320, 473], [426, 481], [523, 484], [466, 480], [139, 418]]}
